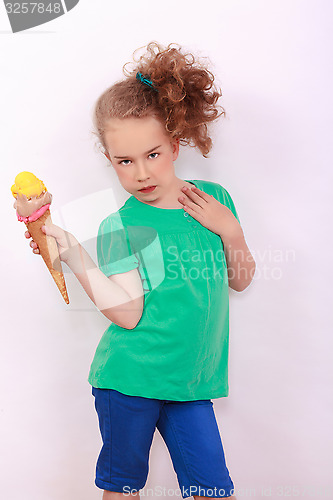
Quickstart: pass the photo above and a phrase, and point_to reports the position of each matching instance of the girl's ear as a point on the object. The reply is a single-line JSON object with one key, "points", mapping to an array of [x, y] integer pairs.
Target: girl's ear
{"points": [[175, 149]]}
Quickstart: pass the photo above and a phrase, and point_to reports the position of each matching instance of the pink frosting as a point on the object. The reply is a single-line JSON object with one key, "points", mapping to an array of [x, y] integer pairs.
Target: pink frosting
{"points": [[33, 217]]}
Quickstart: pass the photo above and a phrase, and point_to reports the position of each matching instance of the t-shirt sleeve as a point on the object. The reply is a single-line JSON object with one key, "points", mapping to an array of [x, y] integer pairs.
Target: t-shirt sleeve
{"points": [[114, 252], [227, 201]]}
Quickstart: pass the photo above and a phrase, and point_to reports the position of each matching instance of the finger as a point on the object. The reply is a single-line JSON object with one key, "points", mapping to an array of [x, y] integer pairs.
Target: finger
{"points": [[27, 234], [55, 231], [34, 246], [196, 191], [191, 199], [64, 239], [190, 207], [187, 201], [195, 197]]}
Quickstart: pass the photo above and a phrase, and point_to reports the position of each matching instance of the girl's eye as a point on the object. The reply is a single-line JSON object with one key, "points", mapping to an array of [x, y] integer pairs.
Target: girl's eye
{"points": [[125, 164]]}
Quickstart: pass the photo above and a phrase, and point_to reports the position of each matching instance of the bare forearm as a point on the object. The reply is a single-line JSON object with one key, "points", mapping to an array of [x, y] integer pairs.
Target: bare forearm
{"points": [[110, 298], [240, 262]]}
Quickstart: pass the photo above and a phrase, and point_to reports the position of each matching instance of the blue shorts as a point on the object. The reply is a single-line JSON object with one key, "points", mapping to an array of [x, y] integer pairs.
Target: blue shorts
{"points": [[189, 429]]}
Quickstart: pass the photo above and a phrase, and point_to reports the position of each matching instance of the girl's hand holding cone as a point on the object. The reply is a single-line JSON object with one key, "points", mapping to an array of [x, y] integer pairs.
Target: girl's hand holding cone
{"points": [[66, 242]]}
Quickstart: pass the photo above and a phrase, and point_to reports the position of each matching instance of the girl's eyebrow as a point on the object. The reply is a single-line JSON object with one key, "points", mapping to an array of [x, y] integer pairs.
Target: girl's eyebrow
{"points": [[121, 157]]}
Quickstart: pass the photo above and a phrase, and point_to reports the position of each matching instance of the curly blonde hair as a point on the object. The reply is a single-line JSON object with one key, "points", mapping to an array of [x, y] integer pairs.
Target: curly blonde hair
{"points": [[184, 100]]}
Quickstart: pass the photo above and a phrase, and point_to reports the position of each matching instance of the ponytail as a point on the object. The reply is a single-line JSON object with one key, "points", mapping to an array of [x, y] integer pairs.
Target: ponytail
{"points": [[182, 95]]}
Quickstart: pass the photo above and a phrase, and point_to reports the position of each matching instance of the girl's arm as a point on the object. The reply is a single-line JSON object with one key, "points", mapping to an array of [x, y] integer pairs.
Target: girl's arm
{"points": [[240, 262], [122, 307], [116, 303]]}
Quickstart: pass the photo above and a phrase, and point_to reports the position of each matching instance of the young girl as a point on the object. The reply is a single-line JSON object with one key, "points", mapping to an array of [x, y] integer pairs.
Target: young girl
{"points": [[166, 260]]}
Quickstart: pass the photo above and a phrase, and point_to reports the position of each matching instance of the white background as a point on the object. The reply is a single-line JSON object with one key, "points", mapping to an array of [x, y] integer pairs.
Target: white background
{"points": [[273, 61]]}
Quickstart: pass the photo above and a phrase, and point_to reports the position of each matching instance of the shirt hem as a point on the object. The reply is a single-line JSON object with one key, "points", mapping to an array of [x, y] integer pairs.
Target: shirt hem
{"points": [[150, 395]]}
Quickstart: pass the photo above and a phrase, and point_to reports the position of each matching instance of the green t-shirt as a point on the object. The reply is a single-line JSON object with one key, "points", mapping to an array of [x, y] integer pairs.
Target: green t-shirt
{"points": [[179, 349]]}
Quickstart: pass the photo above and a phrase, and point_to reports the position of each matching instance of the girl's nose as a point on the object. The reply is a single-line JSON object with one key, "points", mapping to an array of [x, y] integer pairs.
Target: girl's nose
{"points": [[141, 171]]}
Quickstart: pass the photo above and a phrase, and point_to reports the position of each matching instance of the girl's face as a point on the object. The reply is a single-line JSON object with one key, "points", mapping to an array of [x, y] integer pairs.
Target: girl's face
{"points": [[142, 155]]}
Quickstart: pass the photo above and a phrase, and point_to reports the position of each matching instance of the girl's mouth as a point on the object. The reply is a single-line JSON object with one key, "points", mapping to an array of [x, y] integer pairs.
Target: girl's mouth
{"points": [[147, 190]]}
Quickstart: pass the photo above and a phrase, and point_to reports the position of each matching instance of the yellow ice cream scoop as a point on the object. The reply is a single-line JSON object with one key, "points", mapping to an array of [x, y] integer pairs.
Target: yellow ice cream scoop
{"points": [[28, 184]]}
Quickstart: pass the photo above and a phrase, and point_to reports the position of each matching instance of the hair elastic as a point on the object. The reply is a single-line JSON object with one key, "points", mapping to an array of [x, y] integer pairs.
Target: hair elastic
{"points": [[146, 80]]}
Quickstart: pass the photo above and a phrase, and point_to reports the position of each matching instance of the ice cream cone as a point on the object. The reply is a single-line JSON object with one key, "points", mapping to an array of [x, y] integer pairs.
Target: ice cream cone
{"points": [[32, 205], [48, 249]]}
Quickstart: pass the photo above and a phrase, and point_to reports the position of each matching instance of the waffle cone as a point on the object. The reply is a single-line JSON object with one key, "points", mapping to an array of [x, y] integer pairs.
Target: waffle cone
{"points": [[48, 249]]}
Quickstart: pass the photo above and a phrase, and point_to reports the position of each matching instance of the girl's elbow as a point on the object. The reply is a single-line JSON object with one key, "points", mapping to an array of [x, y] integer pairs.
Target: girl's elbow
{"points": [[241, 285], [238, 287], [134, 319]]}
